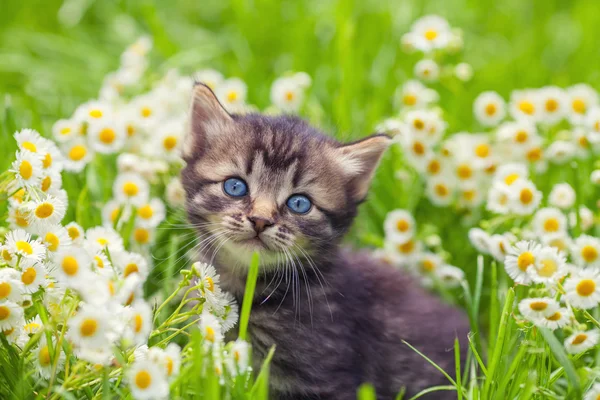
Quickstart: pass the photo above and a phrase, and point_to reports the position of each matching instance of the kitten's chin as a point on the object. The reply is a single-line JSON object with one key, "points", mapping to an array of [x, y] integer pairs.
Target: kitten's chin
{"points": [[240, 253]]}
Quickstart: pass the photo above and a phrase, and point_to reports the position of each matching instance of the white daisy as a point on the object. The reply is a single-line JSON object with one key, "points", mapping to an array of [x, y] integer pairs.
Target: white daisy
{"points": [[232, 94], [463, 71], [489, 108], [11, 289], [43, 361], [104, 237], [525, 105], [427, 70], [107, 136], [131, 263], [55, 238], [403, 253], [525, 197], [440, 191], [521, 257], [549, 221], [47, 212], [147, 380], [549, 266], [595, 177], [414, 94], [581, 341], [175, 194], [114, 213], [21, 244], [230, 312], [239, 353], [77, 154], [582, 98], [33, 277], [554, 104], [18, 218], [142, 236], [139, 322], [151, 214], [65, 130], [73, 266], [499, 246], [450, 275], [131, 188], [93, 111], [28, 169], [210, 328], [586, 251], [287, 95], [399, 225], [169, 139], [562, 196], [480, 239], [75, 232], [559, 319], [11, 315], [51, 181], [91, 327], [593, 393], [210, 77], [169, 359], [499, 198], [430, 32], [583, 289], [560, 152], [539, 307]]}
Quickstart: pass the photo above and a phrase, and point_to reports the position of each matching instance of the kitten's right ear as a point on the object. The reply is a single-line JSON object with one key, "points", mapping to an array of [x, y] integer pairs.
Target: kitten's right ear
{"points": [[207, 117]]}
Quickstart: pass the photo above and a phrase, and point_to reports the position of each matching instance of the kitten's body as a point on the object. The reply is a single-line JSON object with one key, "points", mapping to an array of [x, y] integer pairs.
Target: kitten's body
{"points": [[337, 319]]}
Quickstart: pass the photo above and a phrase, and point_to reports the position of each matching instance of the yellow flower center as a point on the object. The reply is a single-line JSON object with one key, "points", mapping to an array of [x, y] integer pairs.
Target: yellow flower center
{"points": [[534, 154], [554, 317], [210, 334], [526, 196], [232, 96], [407, 247], [146, 112], [44, 356], [146, 212], [24, 247], [428, 265], [527, 107], [70, 265], [44, 210], [430, 34], [491, 109], [77, 152], [538, 305], [73, 232], [21, 219], [586, 287], [52, 241], [29, 146], [138, 323], [418, 124], [441, 190], [102, 241], [579, 106], [551, 105], [5, 290], [579, 338], [6, 255], [521, 137], [114, 214], [548, 269], [107, 135], [583, 142], [46, 183], [4, 313], [525, 260], [99, 262], [402, 225], [482, 150], [289, 96], [47, 162], [409, 99], [210, 284], [434, 167], [130, 189], [169, 365], [589, 253], [130, 269], [88, 327], [511, 178], [141, 235], [96, 113], [464, 171], [469, 195], [143, 379], [418, 148], [130, 130], [25, 169], [551, 225], [65, 131], [28, 276], [170, 142]]}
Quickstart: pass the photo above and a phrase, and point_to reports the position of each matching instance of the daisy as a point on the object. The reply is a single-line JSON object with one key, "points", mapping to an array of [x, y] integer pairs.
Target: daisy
{"points": [[97, 356], [131, 188], [28, 250], [55, 238], [560, 152], [51, 157], [77, 155], [169, 139], [11, 315], [489, 108], [521, 257], [450, 275], [151, 214], [582, 143], [210, 77], [499, 246], [595, 177], [562, 196], [399, 225], [428, 263], [28, 169], [525, 197], [175, 194], [102, 264], [539, 307], [30, 140], [47, 212], [75, 232], [480, 239], [559, 319], [554, 104], [549, 221], [232, 94], [549, 266], [524, 105], [582, 97], [583, 289], [43, 361], [65, 130], [403, 253], [287, 95], [593, 393], [92, 112], [33, 278], [510, 173], [520, 135], [586, 251], [427, 70], [439, 191], [142, 236], [91, 327], [73, 266], [499, 198], [115, 214], [169, 359], [51, 181], [104, 237], [414, 94], [106, 137], [586, 218], [463, 71], [581, 341], [430, 32], [147, 380], [139, 316], [33, 326], [132, 263], [210, 328], [230, 312], [11, 289], [18, 218], [239, 353], [208, 280]]}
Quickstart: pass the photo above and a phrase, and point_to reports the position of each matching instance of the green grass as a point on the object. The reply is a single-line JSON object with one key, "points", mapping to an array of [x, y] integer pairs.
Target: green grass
{"points": [[54, 55]]}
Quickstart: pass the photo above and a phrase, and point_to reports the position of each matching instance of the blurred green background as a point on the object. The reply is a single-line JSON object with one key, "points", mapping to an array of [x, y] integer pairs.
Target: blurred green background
{"points": [[54, 55]]}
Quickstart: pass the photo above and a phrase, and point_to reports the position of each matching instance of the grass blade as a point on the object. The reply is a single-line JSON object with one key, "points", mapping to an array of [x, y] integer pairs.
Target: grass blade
{"points": [[249, 296]]}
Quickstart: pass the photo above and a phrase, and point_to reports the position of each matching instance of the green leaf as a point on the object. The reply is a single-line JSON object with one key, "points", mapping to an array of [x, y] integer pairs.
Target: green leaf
{"points": [[563, 359]]}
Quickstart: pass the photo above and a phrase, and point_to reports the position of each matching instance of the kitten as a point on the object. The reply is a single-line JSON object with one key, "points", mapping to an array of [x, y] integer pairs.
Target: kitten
{"points": [[280, 187]]}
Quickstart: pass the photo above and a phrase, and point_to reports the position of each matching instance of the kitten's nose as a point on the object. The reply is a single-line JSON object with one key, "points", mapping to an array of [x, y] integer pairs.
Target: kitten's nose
{"points": [[260, 224]]}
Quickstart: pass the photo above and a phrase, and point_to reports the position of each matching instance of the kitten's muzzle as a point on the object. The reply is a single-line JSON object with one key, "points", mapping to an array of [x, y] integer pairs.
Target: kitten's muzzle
{"points": [[260, 224]]}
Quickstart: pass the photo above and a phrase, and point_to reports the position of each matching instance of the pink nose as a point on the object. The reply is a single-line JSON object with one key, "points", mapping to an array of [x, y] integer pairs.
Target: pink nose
{"points": [[260, 224]]}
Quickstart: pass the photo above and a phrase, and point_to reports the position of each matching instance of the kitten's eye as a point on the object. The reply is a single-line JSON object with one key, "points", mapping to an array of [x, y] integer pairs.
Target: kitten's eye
{"points": [[235, 187], [299, 204]]}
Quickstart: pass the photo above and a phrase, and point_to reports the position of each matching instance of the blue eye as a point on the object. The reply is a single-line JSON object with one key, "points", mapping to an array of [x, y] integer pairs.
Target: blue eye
{"points": [[235, 187], [299, 204]]}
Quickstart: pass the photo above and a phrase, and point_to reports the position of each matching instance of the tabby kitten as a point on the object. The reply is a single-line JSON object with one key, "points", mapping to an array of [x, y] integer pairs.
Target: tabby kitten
{"points": [[280, 187]]}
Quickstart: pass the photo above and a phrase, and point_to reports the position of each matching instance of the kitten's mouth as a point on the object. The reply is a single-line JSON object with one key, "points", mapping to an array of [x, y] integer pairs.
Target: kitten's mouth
{"points": [[254, 243]]}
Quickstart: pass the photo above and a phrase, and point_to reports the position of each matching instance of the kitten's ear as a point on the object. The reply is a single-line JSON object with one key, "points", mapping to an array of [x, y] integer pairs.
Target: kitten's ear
{"points": [[207, 117], [359, 161]]}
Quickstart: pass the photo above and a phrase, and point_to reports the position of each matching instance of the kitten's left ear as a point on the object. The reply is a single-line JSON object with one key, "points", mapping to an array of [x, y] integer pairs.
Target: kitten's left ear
{"points": [[359, 161]]}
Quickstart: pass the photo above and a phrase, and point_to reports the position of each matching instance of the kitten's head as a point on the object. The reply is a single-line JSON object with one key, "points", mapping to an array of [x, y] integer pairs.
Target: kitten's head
{"points": [[270, 184]]}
